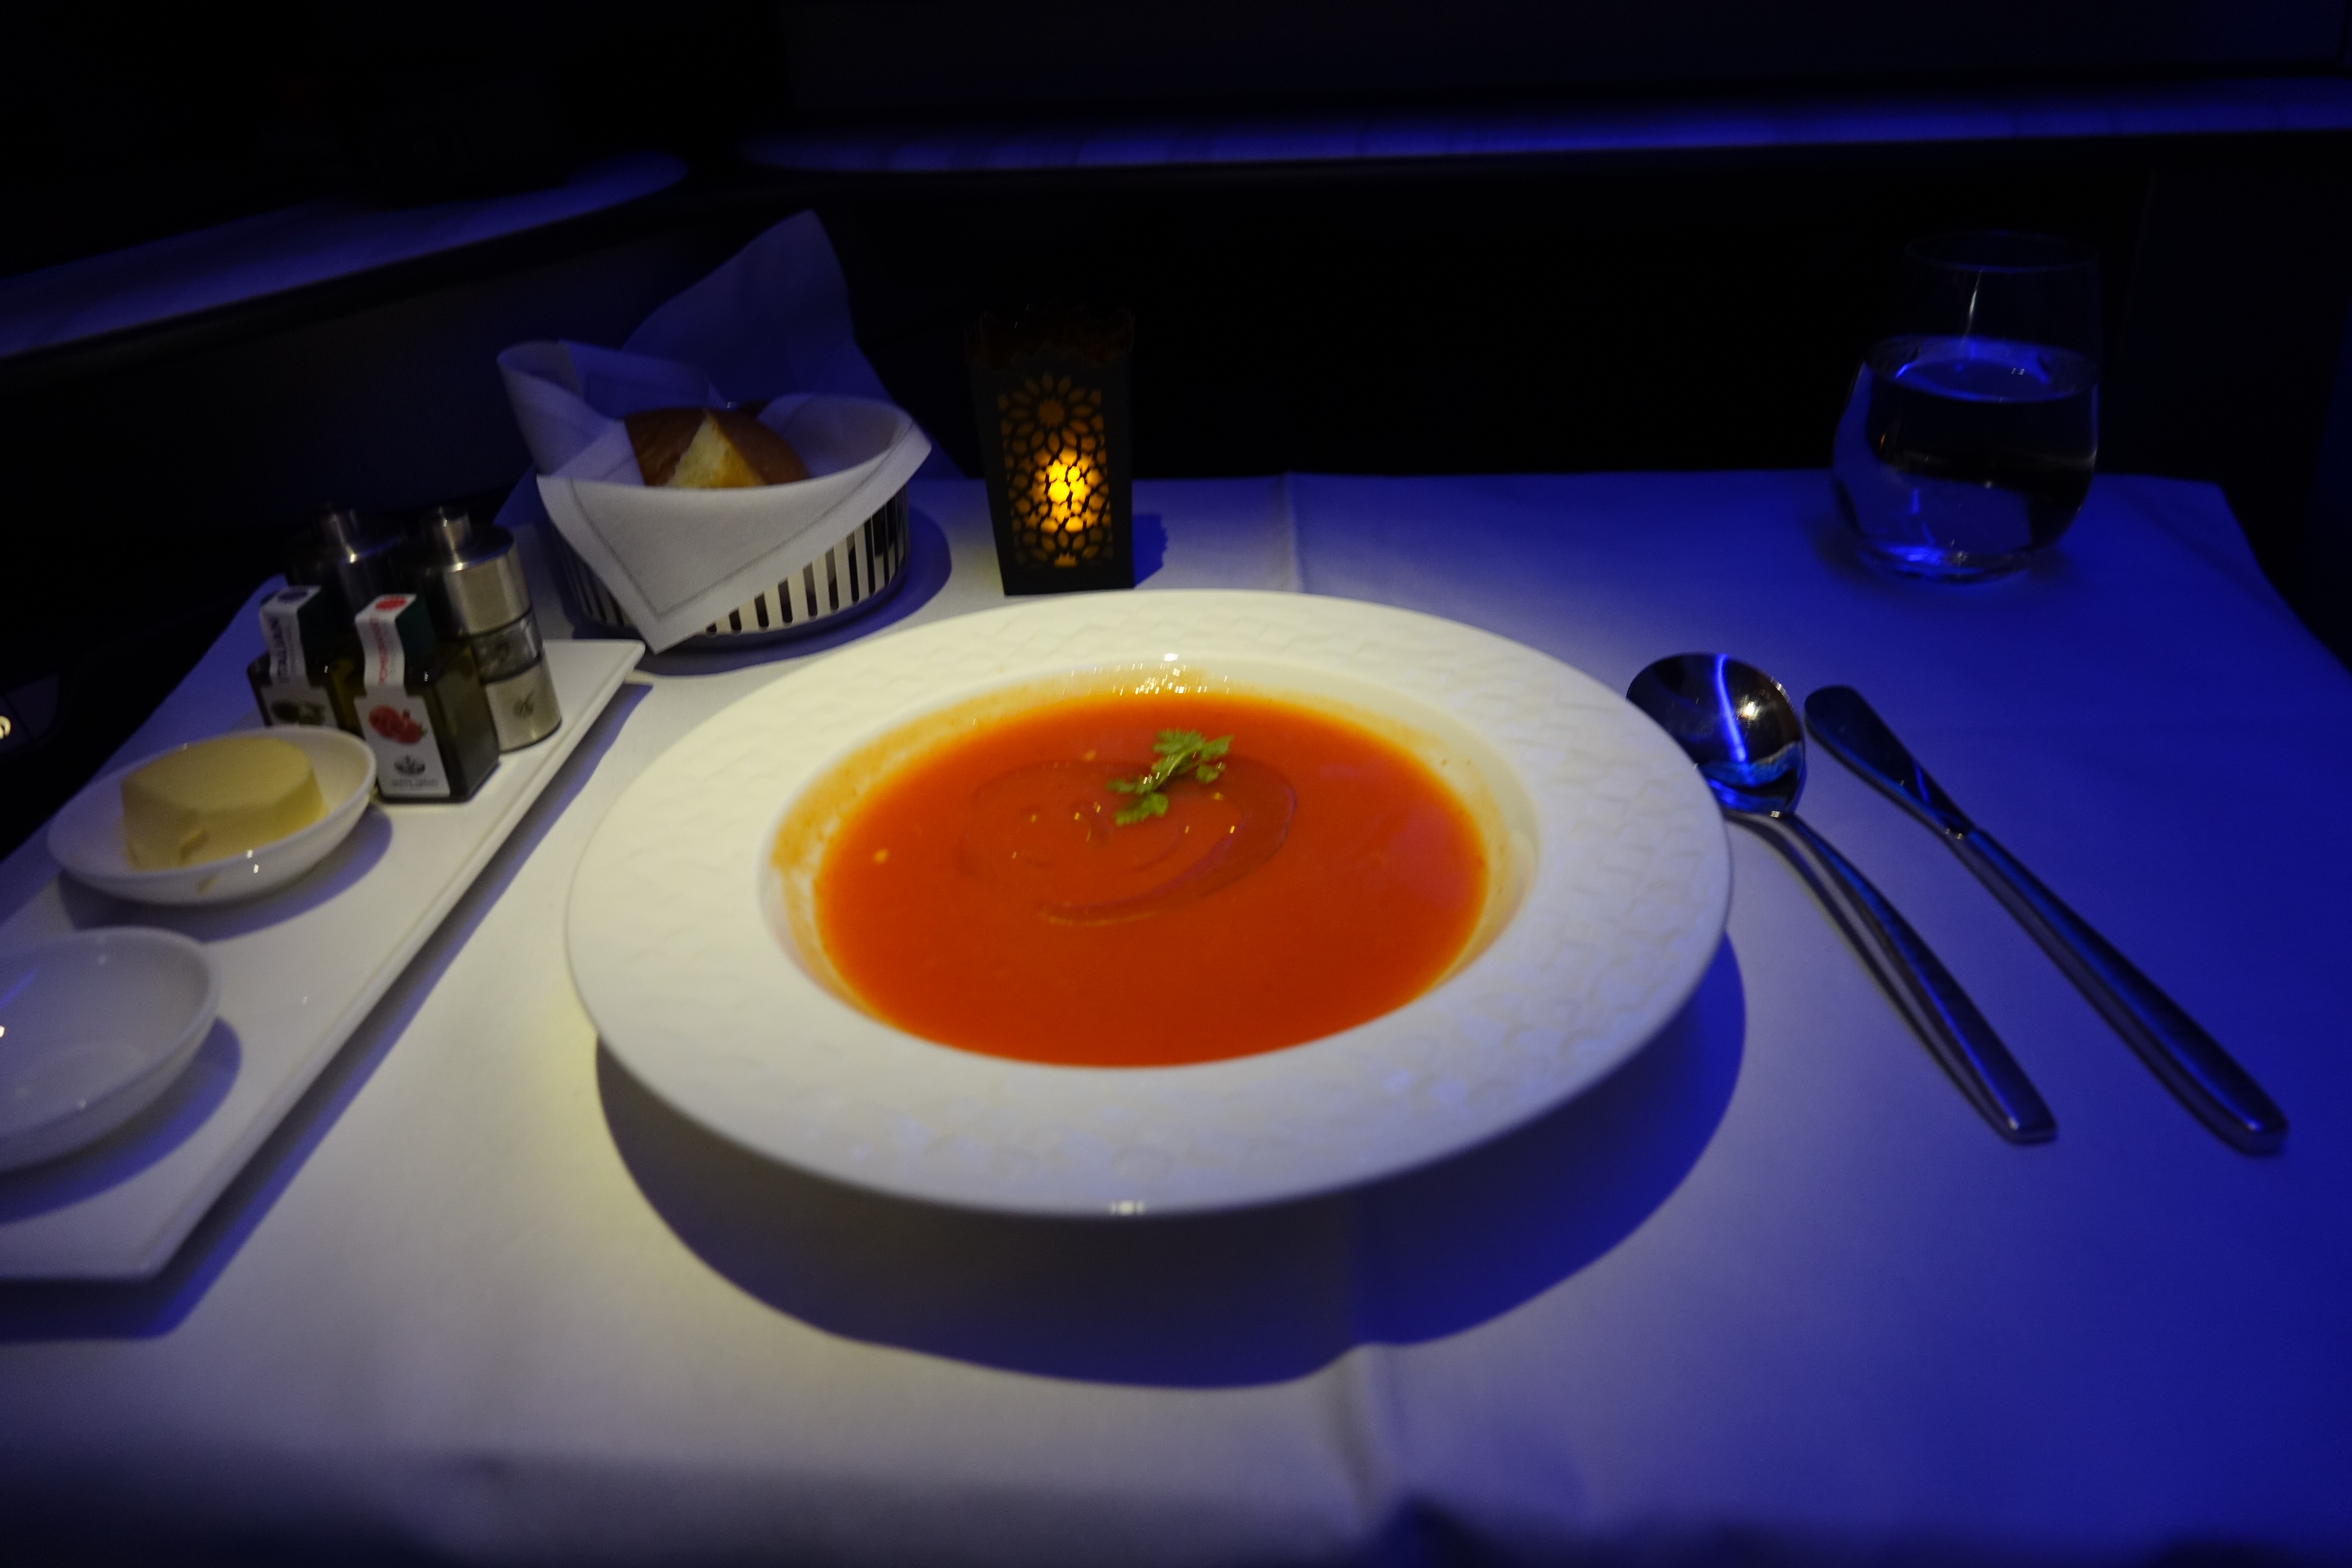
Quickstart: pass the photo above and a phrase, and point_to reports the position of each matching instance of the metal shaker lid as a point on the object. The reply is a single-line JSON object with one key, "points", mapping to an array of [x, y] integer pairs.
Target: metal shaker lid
{"points": [[361, 561], [474, 573]]}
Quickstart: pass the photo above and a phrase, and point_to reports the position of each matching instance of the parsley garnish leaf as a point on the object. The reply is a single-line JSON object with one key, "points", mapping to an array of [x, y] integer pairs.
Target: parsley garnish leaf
{"points": [[1178, 751]]}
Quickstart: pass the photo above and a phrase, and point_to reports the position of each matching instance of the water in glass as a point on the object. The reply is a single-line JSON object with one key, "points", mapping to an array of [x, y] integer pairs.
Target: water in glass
{"points": [[1956, 456]]}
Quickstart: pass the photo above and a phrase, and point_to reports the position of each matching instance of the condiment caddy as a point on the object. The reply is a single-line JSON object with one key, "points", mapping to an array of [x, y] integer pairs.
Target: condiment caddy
{"points": [[301, 968]]}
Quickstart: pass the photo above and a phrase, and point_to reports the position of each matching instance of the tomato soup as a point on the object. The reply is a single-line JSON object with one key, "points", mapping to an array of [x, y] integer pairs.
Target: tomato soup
{"points": [[981, 892]]}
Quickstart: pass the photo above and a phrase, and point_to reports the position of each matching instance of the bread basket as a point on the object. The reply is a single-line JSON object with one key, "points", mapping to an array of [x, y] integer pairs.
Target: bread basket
{"points": [[856, 573], [717, 565]]}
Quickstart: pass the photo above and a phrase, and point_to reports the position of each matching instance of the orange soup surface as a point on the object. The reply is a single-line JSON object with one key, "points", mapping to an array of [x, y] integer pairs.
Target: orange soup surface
{"points": [[983, 896]]}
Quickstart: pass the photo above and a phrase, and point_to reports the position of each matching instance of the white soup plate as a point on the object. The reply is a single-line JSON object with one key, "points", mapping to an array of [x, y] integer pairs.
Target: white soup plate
{"points": [[1618, 880]]}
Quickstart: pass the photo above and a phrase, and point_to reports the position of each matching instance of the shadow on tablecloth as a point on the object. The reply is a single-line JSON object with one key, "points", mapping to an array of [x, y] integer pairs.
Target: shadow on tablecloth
{"points": [[1260, 1296]]}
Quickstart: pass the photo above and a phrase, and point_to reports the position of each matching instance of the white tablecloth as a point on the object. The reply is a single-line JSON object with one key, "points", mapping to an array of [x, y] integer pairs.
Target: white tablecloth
{"points": [[1774, 1290]]}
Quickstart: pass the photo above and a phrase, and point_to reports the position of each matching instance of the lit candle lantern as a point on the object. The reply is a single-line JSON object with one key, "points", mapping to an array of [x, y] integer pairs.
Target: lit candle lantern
{"points": [[1050, 391]]}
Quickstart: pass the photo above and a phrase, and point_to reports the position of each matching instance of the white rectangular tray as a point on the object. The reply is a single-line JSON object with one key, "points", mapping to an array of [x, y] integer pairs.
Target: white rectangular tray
{"points": [[299, 969]]}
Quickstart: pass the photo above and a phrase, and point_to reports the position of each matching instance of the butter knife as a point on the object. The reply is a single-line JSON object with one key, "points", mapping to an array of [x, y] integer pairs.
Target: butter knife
{"points": [[2188, 1059]]}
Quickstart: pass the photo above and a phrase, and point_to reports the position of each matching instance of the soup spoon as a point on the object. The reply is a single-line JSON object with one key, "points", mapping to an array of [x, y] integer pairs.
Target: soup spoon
{"points": [[1739, 727]]}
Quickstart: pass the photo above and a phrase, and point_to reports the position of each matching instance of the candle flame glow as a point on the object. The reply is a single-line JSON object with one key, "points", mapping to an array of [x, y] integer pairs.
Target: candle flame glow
{"points": [[1059, 493], [1066, 477]]}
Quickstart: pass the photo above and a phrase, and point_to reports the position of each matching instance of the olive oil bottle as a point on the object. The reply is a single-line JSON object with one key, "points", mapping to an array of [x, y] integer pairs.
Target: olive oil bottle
{"points": [[310, 673]]}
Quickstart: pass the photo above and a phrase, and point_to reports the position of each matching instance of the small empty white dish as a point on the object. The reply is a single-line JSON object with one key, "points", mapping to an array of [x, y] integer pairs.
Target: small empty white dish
{"points": [[86, 839], [93, 1028]]}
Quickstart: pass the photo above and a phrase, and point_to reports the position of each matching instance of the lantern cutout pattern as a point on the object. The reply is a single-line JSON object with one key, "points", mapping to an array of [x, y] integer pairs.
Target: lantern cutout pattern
{"points": [[1058, 494], [1049, 396]]}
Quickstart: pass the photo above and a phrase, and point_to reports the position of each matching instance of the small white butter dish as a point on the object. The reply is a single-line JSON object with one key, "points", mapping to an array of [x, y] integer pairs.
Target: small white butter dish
{"points": [[85, 837], [93, 1028]]}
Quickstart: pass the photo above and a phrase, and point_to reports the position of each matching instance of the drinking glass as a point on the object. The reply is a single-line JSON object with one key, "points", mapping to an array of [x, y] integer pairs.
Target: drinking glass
{"points": [[1973, 427]]}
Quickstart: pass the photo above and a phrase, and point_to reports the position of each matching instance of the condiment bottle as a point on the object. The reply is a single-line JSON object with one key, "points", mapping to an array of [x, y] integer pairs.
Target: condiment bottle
{"points": [[309, 674], [474, 581], [421, 706]]}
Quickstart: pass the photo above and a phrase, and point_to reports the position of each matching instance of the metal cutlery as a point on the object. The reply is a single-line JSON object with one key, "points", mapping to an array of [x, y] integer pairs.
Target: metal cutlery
{"points": [[2188, 1059], [1738, 726]]}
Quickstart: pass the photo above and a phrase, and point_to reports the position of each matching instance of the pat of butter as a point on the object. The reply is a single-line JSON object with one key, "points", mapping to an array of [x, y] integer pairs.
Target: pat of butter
{"points": [[215, 799]]}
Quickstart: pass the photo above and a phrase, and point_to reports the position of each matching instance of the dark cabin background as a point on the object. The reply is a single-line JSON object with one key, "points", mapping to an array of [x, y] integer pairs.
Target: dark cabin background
{"points": [[1655, 302]]}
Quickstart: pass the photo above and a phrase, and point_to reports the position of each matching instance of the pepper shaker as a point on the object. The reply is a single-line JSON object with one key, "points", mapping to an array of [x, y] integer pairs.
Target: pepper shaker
{"points": [[474, 584]]}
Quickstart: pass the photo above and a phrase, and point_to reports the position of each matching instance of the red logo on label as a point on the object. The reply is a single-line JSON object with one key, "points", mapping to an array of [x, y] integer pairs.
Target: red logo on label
{"points": [[394, 725], [391, 601]]}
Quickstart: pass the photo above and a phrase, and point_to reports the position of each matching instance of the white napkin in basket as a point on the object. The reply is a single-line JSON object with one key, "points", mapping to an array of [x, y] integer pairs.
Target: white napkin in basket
{"points": [[678, 560]]}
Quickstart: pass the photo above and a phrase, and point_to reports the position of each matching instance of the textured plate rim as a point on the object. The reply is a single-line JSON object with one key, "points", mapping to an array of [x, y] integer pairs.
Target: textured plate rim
{"points": [[676, 965]]}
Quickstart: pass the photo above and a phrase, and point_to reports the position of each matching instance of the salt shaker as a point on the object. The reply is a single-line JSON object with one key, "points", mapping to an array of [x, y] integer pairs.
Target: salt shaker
{"points": [[474, 581]]}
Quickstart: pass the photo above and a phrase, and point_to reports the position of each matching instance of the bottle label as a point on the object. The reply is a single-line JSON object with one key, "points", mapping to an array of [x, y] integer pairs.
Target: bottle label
{"points": [[295, 702], [282, 629], [394, 720]]}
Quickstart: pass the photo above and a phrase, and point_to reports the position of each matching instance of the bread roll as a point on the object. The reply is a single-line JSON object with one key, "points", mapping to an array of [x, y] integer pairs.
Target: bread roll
{"points": [[711, 449]]}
